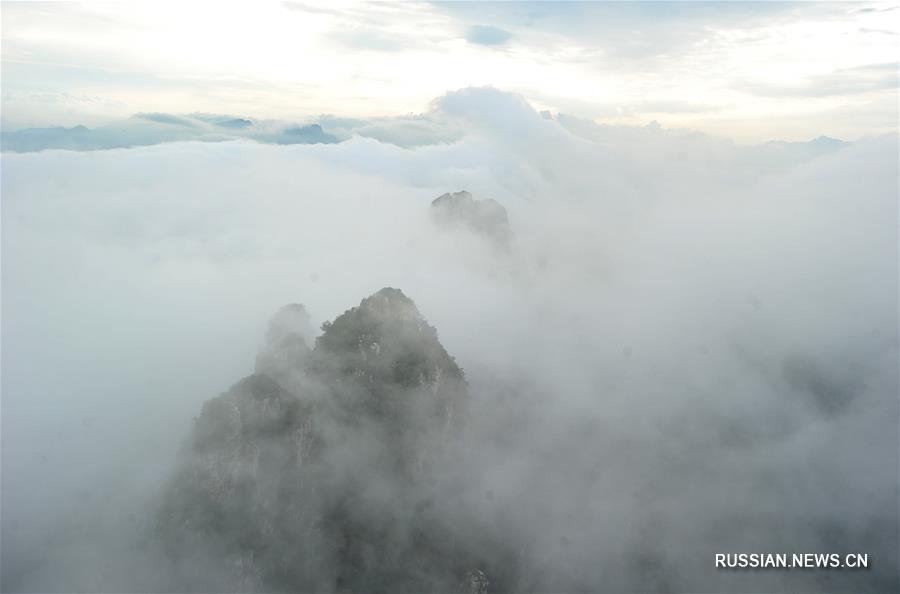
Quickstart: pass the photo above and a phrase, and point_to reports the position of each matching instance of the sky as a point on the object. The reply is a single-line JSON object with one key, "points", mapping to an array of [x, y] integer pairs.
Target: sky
{"points": [[747, 71]]}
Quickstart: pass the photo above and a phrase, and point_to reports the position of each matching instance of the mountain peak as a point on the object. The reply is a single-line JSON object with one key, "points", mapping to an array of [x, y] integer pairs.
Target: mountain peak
{"points": [[391, 302], [341, 444], [460, 210], [285, 349], [387, 337]]}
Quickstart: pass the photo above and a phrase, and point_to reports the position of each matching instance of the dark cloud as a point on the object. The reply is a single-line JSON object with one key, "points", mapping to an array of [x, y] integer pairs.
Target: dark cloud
{"points": [[870, 9], [165, 118], [877, 31], [487, 35]]}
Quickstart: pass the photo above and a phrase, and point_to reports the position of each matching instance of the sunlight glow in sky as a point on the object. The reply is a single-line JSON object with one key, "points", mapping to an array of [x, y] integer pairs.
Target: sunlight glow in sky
{"points": [[750, 71]]}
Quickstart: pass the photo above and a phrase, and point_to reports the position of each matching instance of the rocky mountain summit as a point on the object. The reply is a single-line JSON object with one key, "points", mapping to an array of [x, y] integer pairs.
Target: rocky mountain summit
{"points": [[322, 471], [484, 217], [286, 349]]}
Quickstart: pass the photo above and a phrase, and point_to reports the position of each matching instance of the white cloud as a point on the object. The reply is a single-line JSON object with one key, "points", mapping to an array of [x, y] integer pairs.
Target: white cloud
{"points": [[706, 334]]}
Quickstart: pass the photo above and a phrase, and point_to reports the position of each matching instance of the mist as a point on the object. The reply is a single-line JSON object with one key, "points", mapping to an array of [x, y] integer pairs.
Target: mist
{"points": [[685, 347]]}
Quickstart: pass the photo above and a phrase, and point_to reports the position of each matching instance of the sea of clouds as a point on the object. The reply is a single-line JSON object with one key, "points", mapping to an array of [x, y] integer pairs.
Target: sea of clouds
{"points": [[690, 347]]}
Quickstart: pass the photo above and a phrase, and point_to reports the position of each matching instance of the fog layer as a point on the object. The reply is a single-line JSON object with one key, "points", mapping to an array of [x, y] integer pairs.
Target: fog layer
{"points": [[684, 348]]}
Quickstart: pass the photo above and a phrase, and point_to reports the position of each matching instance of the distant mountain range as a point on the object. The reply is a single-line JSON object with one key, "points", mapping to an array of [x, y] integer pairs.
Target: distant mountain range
{"points": [[407, 131]]}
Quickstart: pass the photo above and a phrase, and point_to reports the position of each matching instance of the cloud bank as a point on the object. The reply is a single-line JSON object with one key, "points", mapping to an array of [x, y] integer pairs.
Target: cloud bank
{"points": [[441, 124], [487, 35], [690, 347]]}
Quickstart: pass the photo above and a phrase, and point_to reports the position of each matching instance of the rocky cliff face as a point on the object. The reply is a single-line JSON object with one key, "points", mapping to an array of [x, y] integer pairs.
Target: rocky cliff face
{"points": [[321, 471], [286, 349], [382, 364], [484, 217]]}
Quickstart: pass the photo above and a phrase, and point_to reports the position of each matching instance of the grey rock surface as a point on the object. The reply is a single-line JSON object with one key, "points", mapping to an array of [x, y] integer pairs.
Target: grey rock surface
{"points": [[322, 471], [485, 217]]}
